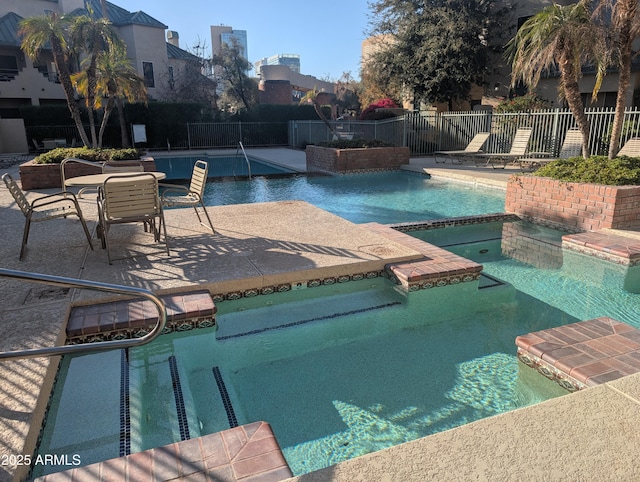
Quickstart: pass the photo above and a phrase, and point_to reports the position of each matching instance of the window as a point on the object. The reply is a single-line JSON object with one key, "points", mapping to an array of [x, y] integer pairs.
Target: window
{"points": [[147, 72]]}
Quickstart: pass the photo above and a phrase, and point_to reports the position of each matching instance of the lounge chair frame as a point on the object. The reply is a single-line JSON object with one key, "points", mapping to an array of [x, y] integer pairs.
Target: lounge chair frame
{"points": [[519, 147], [474, 147], [44, 208], [571, 147]]}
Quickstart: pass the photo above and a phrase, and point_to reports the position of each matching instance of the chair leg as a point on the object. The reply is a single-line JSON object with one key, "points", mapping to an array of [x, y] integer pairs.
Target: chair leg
{"points": [[84, 224], [25, 236], [164, 229], [206, 214]]}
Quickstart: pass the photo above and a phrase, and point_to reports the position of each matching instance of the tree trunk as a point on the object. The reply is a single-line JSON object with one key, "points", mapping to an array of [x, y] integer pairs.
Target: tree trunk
{"points": [[105, 118], [624, 79], [124, 132], [574, 100], [69, 92]]}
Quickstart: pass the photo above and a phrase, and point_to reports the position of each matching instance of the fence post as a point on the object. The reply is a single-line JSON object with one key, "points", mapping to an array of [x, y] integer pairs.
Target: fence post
{"points": [[240, 127], [188, 137]]}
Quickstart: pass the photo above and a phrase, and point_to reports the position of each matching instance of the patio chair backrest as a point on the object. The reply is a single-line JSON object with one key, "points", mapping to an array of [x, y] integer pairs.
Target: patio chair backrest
{"points": [[133, 197], [521, 141], [475, 145], [199, 178], [17, 193], [631, 148], [572, 145], [122, 166]]}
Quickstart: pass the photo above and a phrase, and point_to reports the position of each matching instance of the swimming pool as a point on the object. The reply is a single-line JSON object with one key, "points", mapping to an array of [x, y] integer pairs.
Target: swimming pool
{"points": [[388, 197], [350, 368], [181, 167]]}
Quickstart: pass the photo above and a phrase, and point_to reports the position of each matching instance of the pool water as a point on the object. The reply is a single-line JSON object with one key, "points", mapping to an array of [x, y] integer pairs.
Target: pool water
{"points": [[181, 168], [390, 197]]}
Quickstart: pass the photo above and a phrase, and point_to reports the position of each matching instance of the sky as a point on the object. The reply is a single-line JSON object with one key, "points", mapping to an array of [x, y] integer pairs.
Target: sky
{"points": [[327, 35]]}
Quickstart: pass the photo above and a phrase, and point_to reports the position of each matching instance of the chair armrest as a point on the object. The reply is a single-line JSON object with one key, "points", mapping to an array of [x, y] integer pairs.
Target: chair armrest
{"points": [[171, 188]]}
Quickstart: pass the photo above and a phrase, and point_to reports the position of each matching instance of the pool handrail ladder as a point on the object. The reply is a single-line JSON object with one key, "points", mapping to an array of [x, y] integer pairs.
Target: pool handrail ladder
{"points": [[92, 285], [241, 147]]}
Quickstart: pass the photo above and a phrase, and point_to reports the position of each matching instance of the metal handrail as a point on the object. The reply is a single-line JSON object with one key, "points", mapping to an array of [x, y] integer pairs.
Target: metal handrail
{"points": [[92, 285], [245, 157]]}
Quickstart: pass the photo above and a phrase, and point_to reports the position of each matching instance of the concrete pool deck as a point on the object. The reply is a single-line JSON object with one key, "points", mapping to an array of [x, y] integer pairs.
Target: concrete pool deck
{"points": [[588, 435]]}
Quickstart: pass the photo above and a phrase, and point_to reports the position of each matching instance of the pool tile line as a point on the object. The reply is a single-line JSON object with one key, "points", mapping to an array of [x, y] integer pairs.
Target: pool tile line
{"points": [[454, 221], [309, 320], [183, 423], [226, 400], [125, 414]]}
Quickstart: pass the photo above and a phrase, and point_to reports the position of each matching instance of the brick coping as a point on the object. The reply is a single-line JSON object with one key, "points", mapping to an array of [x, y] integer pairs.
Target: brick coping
{"points": [[605, 245], [247, 452], [583, 354]]}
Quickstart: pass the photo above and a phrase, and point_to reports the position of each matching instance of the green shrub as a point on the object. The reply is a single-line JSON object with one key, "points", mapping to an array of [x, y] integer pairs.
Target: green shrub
{"points": [[355, 143], [621, 171], [56, 156]]}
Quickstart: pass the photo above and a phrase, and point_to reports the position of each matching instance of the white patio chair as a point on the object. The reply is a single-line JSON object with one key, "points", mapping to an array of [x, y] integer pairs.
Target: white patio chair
{"points": [[130, 199], [44, 208], [181, 196]]}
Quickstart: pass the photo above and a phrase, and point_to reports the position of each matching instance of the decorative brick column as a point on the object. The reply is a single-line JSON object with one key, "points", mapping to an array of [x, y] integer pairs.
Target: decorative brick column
{"points": [[573, 206]]}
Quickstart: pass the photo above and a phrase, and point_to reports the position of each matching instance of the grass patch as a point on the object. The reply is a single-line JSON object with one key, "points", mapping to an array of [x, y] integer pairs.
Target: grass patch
{"points": [[621, 171]]}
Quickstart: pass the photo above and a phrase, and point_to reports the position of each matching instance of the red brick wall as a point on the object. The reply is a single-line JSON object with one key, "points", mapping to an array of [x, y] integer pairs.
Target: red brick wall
{"points": [[324, 159], [574, 206], [43, 176]]}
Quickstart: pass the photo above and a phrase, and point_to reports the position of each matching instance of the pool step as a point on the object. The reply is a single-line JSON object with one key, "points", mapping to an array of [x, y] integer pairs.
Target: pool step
{"points": [[583, 354], [439, 267], [134, 318]]}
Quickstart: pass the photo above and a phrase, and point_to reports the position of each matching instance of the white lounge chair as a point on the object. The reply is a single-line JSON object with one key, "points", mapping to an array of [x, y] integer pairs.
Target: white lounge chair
{"points": [[571, 147], [519, 147], [474, 147]]}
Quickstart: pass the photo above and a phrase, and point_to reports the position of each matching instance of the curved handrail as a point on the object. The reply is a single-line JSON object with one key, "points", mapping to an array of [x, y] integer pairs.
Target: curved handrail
{"points": [[92, 285]]}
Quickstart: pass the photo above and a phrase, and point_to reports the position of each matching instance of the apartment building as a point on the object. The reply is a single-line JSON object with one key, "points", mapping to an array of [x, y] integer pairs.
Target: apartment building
{"points": [[27, 82]]}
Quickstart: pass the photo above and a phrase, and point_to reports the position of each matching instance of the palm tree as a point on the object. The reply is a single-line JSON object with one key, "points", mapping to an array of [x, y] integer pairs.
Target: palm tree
{"points": [[624, 28], [313, 97], [563, 37], [36, 33], [116, 78], [93, 36]]}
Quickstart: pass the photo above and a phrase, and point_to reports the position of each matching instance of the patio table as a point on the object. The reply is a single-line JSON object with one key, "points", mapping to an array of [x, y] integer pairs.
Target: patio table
{"points": [[97, 180]]}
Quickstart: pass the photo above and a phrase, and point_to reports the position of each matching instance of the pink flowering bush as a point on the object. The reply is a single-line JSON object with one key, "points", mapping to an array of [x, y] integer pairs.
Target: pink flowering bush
{"points": [[370, 113]]}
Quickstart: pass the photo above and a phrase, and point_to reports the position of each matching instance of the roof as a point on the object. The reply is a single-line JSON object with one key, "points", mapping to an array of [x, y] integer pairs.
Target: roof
{"points": [[174, 52], [9, 29], [120, 17]]}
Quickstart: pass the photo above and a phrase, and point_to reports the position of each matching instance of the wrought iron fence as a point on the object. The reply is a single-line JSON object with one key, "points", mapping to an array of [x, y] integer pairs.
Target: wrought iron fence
{"points": [[423, 133]]}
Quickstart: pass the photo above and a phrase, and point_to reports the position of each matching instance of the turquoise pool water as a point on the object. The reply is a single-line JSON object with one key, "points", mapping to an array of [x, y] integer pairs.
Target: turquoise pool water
{"points": [[343, 370], [390, 197], [181, 167]]}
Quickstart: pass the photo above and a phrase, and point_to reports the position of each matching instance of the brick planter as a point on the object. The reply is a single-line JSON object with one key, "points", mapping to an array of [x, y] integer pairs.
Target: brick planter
{"points": [[43, 176], [326, 159], [574, 206]]}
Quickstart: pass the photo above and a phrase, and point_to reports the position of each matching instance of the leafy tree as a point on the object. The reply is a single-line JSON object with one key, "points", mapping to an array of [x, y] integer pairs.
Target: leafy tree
{"points": [[116, 78], [232, 68], [439, 48], [622, 18], [563, 37], [92, 36], [51, 29]]}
